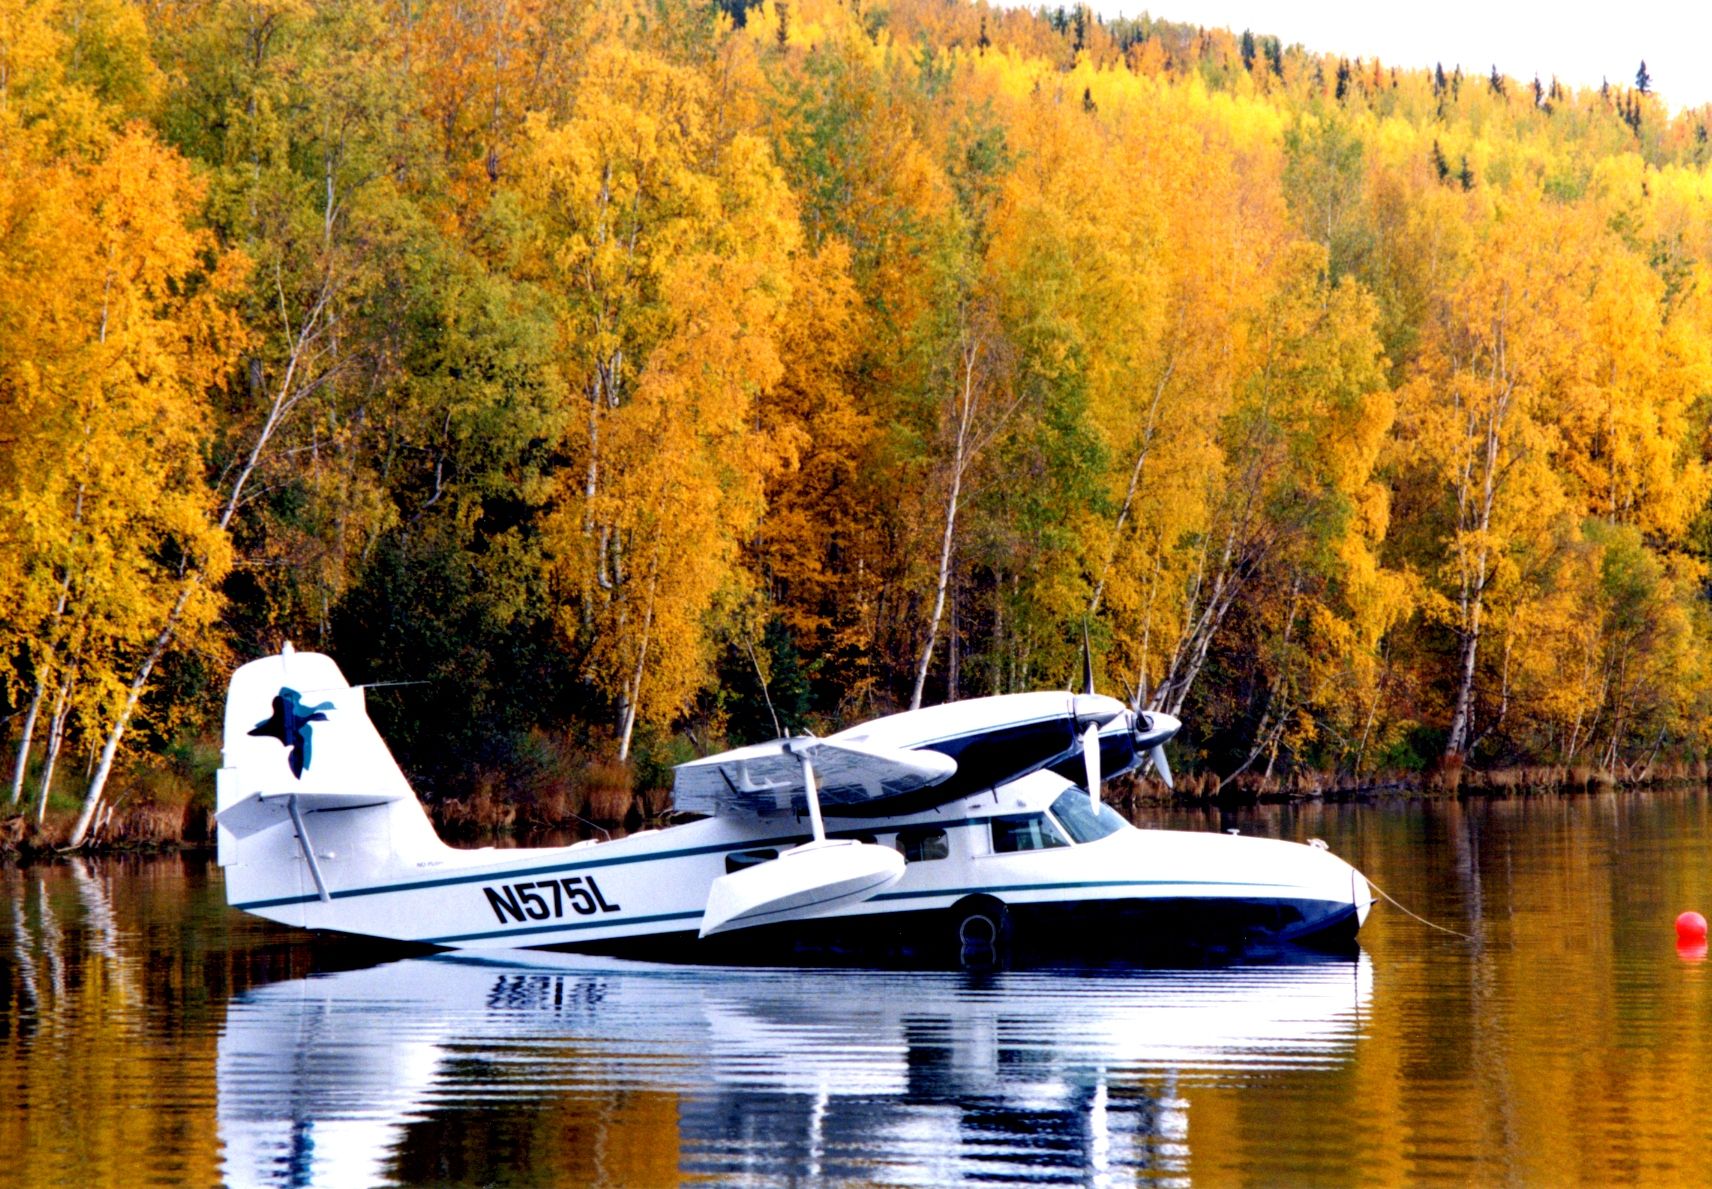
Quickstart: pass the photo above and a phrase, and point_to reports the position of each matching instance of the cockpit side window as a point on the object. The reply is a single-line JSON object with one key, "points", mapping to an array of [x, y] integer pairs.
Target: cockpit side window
{"points": [[739, 860], [1025, 831], [1080, 821], [923, 843]]}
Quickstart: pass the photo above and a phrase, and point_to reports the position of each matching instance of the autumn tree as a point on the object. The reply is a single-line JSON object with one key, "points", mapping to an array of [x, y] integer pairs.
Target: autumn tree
{"points": [[666, 246], [117, 336], [1478, 420]]}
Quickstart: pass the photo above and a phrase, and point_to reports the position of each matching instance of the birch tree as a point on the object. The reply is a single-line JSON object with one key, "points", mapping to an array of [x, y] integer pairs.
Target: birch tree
{"points": [[666, 244], [979, 402]]}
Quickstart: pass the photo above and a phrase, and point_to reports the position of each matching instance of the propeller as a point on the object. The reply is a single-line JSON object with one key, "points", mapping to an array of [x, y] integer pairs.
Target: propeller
{"points": [[1091, 736], [1150, 729], [1091, 758], [1160, 764], [1153, 724]]}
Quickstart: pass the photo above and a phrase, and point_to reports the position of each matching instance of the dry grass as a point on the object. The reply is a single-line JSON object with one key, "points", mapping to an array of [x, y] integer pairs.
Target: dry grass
{"points": [[144, 825], [1449, 779], [559, 785], [607, 791]]}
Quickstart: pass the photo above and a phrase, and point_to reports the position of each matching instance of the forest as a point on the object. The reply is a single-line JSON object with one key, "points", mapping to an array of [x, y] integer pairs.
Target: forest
{"points": [[610, 382]]}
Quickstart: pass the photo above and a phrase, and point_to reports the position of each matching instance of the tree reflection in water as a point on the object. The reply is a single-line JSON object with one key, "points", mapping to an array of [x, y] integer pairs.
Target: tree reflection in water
{"points": [[147, 1033]]}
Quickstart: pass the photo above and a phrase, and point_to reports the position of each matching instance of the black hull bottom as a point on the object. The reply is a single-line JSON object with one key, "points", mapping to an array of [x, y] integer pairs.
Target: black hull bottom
{"points": [[982, 932]]}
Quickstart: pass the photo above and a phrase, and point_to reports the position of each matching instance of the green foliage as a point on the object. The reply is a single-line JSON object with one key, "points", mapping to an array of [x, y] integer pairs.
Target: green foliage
{"points": [[763, 690]]}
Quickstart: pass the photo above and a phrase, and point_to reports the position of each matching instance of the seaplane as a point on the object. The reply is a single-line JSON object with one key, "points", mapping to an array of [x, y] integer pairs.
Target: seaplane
{"points": [[965, 833]]}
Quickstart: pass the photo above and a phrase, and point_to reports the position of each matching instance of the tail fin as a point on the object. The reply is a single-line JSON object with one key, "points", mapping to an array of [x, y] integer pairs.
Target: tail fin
{"points": [[309, 799]]}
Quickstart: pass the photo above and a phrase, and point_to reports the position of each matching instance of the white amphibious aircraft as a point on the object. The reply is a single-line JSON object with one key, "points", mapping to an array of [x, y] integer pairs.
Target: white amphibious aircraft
{"points": [[939, 834]]}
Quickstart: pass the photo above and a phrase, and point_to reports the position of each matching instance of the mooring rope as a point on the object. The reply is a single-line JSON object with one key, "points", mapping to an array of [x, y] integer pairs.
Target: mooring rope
{"points": [[1393, 901]]}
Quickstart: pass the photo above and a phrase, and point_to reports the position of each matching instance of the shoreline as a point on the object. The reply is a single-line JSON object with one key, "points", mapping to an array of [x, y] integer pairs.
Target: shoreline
{"points": [[147, 829]]}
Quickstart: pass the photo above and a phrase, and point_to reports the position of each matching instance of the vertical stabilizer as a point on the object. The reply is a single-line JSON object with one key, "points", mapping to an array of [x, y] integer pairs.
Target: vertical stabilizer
{"points": [[309, 799]]}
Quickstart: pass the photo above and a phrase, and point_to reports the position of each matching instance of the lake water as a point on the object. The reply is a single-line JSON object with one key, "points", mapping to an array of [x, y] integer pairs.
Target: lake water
{"points": [[149, 1035]]}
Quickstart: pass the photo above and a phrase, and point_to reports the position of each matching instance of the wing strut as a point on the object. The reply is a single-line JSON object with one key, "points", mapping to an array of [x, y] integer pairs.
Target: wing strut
{"points": [[308, 849], [813, 793]]}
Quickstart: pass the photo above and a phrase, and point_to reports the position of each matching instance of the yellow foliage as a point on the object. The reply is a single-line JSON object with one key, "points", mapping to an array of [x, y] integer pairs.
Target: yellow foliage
{"points": [[117, 331], [667, 243]]}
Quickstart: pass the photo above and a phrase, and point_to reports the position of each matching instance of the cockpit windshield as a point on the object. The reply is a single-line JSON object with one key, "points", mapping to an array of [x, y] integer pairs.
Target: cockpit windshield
{"points": [[1080, 821]]}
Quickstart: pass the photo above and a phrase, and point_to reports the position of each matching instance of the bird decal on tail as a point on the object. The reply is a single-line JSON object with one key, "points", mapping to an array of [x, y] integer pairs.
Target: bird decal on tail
{"points": [[289, 723]]}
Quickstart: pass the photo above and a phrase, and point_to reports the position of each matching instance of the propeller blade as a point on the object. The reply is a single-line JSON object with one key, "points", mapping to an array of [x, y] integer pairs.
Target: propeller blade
{"points": [[1160, 765], [1087, 661], [1091, 759]]}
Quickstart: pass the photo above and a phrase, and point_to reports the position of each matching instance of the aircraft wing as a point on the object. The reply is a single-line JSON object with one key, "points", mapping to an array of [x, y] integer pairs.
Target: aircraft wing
{"points": [[769, 776]]}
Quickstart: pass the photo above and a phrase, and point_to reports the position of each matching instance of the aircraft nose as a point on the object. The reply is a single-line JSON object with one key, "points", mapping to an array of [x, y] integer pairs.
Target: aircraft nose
{"points": [[1155, 727]]}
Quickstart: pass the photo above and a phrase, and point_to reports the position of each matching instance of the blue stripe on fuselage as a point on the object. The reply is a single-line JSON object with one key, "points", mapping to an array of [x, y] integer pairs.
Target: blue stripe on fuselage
{"points": [[561, 928], [489, 874]]}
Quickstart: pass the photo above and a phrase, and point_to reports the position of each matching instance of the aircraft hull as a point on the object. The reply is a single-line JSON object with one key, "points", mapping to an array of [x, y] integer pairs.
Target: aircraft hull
{"points": [[1133, 893], [1124, 931]]}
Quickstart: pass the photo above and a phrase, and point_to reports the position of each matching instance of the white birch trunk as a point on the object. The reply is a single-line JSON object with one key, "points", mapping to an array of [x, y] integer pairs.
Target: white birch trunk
{"points": [[962, 453], [1476, 571], [24, 743], [633, 690], [56, 733], [939, 590]]}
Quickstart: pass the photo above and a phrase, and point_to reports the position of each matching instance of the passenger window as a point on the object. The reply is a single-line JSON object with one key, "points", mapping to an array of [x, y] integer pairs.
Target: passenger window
{"points": [[1025, 831], [737, 860], [923, 845]]}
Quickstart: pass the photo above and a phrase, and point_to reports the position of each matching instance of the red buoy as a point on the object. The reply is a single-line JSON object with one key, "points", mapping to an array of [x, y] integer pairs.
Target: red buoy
{"points": [[1691, 929]]}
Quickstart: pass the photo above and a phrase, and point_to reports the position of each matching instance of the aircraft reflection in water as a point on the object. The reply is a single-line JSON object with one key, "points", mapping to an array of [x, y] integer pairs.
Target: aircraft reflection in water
{"points": [[918, 1077]]}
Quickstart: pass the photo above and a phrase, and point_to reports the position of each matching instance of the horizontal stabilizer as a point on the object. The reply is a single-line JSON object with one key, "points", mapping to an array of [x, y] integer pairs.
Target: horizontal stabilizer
{"points": [[769, 776], [261, 810]]}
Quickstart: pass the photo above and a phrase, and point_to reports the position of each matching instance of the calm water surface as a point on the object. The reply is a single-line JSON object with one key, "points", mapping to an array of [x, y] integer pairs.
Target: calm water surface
{"points": [[148, 1035]]}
